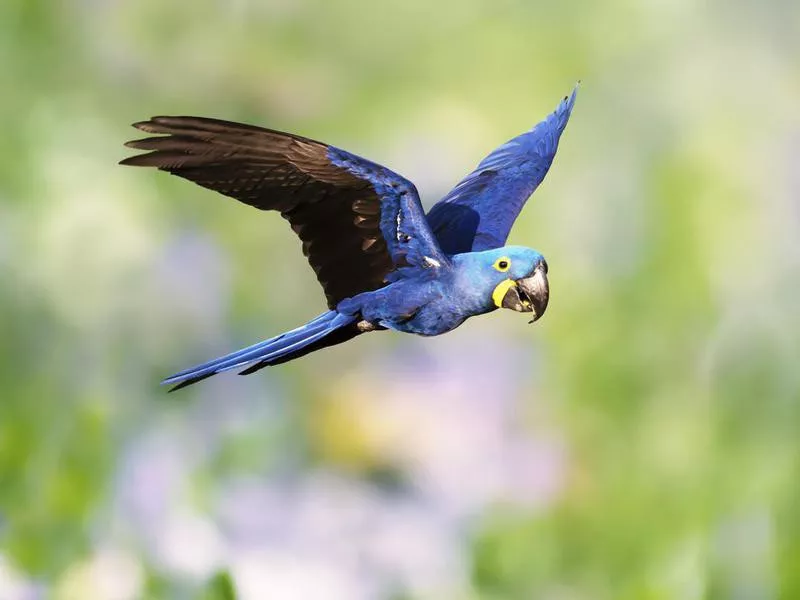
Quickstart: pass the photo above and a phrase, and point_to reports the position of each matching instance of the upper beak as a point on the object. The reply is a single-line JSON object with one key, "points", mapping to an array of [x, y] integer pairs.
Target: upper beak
{"points": [[529, 294]]}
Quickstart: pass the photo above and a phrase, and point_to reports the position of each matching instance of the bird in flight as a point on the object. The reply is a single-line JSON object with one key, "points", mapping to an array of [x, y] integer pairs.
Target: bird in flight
{"points": [[381, 261]]}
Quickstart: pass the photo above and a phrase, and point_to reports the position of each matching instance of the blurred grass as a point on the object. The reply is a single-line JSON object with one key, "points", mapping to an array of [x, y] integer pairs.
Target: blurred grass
{"points": [[666, 367]]}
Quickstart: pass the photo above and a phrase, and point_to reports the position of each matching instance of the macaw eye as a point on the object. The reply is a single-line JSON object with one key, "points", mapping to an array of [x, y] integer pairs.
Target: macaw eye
{"points": [[502, 264]]}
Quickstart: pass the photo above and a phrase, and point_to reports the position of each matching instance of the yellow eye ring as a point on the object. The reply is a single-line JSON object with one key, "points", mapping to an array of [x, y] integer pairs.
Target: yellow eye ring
{"points": [[502, 264]]}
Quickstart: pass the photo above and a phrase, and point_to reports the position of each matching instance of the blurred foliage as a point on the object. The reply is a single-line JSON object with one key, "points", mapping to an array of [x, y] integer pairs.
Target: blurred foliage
{"points": [[639, 442]]}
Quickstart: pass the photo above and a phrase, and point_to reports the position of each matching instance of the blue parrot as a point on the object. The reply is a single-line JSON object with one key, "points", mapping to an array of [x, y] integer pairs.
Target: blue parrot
{"points": [[381, 261]]}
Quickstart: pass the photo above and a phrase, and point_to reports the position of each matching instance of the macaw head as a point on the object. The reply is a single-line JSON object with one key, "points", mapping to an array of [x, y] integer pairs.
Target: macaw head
{"points": [[512, 277]]}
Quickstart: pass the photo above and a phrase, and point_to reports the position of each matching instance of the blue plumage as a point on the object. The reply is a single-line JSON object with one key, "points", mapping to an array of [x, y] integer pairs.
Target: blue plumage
{"points": [[438, 305], [479, 212], [268, 352], [402, 220], [382, 263]]}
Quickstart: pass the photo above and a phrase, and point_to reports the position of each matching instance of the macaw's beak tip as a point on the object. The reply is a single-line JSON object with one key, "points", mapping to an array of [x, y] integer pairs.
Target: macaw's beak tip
{"points": [[529, 294]]}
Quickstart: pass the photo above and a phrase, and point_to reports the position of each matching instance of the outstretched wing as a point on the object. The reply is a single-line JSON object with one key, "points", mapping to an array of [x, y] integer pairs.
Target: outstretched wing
{"points": [[358, 221], [479, 212]]}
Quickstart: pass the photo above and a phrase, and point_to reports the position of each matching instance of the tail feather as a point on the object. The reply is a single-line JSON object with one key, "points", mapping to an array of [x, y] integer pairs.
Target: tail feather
{"points": [[278, 349], [335, 337]]}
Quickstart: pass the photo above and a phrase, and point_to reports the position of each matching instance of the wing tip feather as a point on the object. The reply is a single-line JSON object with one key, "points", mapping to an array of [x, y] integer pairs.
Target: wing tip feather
{"points": [[148, 159], [133, 161]]}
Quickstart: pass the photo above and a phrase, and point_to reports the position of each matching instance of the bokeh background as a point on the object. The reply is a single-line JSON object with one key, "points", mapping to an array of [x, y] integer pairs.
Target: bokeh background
{"points": [[640, 442]]}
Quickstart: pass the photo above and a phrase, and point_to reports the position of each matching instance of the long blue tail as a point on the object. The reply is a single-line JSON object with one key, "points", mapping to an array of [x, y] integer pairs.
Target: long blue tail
{"points": [[312, 336]]}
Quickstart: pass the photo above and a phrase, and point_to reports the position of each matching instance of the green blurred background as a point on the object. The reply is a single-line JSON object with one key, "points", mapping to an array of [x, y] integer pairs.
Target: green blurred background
{"points": [[640, 442]]}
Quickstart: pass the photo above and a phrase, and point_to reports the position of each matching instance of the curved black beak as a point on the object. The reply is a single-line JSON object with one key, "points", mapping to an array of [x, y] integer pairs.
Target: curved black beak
{"points": [[529, 294]]}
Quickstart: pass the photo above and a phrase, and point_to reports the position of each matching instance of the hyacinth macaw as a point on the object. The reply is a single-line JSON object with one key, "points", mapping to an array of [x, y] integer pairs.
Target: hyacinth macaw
{"points": [[381, 261]]}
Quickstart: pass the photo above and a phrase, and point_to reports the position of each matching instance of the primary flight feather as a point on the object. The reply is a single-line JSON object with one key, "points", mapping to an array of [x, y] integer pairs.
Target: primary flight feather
{"points": [[382, 263]]}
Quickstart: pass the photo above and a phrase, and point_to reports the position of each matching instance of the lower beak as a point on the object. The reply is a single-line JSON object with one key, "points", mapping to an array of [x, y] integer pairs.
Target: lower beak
{"points": [[529, 294]]}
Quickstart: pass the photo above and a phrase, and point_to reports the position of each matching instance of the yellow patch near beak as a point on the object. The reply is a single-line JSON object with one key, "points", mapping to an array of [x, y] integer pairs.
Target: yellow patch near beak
{"points": [[500, 291]]}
